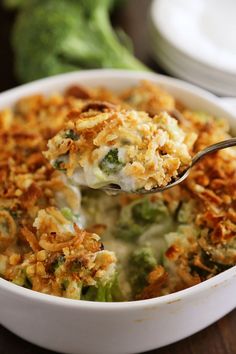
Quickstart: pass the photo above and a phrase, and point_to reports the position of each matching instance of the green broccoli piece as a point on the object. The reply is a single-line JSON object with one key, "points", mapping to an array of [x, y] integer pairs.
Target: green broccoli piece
{"points": [[58, 165], [71, 134], [27, 283], [110, 164], [16, 214], [116, 3], [68, 214], [22, 279], [147, 212], [14, 4], [103, 292], [128, 231], [64, 284], [136, 217], [57, 263], [56, 36], [141, 262]]}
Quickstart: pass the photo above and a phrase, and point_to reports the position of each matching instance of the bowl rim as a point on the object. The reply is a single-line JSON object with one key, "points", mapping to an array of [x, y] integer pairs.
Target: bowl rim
{"points": [[169, 299], [67, 79], [38, 86]]}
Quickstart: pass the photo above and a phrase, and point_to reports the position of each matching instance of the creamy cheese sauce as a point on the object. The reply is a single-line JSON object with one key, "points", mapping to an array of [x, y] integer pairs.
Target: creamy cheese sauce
{"points": [[93, 177], [100, 208]]}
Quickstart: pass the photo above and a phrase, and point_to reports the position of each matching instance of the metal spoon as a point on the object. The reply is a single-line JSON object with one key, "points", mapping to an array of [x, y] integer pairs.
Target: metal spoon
{"points": [[114, 189]]}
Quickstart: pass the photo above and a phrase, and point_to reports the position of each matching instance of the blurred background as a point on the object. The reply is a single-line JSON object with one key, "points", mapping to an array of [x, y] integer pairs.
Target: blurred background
{"points": [[188, 39], [126, 15]]}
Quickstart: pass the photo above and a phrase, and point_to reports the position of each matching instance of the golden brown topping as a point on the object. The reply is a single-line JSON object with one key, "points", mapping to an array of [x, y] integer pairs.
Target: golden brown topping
{"points": [[173, 252], [123, 147], [30, 238], [157, 279], [42, 244], [149, 98]]}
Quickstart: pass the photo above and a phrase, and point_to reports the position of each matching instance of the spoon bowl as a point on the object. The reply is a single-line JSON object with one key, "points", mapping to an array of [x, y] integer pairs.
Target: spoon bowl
{"points": [[114, 189]]}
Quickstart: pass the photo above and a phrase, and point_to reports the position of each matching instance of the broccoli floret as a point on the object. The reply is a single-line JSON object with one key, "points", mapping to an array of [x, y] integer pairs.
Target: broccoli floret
{"points": [[128, 232], [70, 216], [67, 213], [110, 163], [71, 134], [57, 263], [3, 264], [14, 4], [136, 217], [16, 214], [141, 262], [73, 218], [58, 165], [27, 283], [64, 284], [21, 278], [72, 288], [56, 36], [103, 292], [146, 212]]}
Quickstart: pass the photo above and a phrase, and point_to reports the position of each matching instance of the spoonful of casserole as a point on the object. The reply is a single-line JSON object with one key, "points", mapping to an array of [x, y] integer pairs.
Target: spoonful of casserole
{"points": [[124, 150]]}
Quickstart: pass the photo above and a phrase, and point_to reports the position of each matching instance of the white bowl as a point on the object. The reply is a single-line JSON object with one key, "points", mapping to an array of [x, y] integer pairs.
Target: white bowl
{"points": [[72, 326]]}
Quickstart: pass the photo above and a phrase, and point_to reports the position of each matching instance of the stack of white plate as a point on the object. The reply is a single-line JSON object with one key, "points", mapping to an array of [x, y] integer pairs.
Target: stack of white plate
{"points": [[196, 40]]}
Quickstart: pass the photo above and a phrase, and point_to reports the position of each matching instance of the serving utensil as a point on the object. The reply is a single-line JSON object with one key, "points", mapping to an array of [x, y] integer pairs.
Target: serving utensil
{"points": [[114, 189]]}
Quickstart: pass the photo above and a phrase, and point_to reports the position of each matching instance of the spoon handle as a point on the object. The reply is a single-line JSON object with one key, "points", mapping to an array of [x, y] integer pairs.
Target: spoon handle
{"points": [[212, 148]]}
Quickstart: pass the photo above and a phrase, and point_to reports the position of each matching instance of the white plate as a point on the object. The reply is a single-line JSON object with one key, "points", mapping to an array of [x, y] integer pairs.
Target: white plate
{"points": [[159, 41], [182, 68], [72, 326], [202, 29]]}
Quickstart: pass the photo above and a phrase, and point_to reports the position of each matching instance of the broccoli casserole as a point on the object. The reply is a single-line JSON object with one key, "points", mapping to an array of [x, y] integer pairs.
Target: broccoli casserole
{"points": [[122, 147], [61, 238]]}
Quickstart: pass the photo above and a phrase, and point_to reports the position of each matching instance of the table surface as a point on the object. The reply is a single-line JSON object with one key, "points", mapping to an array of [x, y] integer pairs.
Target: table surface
{"points": [[220, 337]]}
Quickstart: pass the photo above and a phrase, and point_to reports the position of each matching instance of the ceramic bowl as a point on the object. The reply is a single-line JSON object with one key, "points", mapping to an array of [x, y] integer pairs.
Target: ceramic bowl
{"points": [[72, 326]]}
